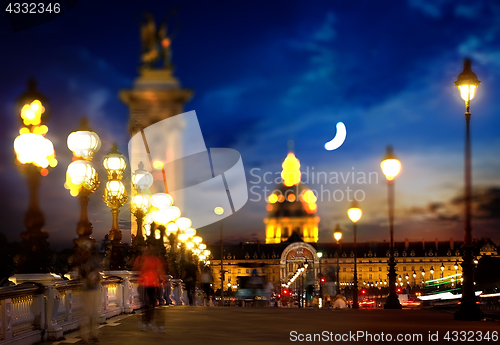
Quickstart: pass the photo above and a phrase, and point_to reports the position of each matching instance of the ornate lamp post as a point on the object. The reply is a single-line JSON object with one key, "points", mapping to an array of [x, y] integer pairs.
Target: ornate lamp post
{"points": [[141, 180], [432, 272], [115, 197], [35, 154], [220, 211], [414, 276], [467, 83], [391, 168], [423, 277], [81, 177], [354, 214], [337, 234], [442, 270]]}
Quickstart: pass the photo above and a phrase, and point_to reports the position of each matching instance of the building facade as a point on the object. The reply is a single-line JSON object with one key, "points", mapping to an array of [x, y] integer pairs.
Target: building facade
{"points": [[292, 241]]}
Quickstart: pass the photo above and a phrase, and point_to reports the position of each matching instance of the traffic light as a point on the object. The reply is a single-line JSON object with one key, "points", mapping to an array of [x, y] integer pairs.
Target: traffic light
{"points": [[363, 291], [398, 290], [322, 279], [285, 292]]}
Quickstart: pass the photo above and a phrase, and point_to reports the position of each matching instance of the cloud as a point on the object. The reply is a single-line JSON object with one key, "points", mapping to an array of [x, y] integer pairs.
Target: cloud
{"points": [[431, 8]]}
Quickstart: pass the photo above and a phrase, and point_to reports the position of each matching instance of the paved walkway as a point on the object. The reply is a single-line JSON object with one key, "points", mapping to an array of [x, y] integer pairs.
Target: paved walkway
{"points": [[230, 325]]}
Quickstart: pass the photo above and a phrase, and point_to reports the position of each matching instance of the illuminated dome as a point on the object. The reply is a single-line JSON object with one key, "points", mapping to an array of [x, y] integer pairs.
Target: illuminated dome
{"points": [[291, 207]]}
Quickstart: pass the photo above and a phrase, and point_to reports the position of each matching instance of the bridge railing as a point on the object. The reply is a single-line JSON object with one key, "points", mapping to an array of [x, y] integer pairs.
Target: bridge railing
{"points": [[33, 312]]}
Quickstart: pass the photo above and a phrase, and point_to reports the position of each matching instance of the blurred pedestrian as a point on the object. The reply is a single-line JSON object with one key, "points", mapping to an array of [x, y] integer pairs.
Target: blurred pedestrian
{"points": [[189, 278], [152, 269], [206, 279], [88, 268]]}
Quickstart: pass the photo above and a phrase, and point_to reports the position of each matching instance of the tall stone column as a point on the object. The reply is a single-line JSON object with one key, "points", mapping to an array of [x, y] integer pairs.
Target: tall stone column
{"points": [[157, 95]]}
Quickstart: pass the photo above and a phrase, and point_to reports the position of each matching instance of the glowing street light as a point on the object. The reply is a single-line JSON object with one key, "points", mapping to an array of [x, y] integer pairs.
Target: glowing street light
{"points": [[467, 84], [354, 214], [220, 211], [34, 154], [337, 235], [81, 177], [115, 197], [391, 167]]}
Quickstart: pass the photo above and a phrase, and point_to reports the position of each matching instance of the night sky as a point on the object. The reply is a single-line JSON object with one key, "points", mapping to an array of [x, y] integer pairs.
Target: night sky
{"points": [[264, 73]]}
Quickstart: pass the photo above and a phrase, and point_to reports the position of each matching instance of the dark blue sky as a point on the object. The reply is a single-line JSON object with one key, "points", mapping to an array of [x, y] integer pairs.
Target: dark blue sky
{"points": [[267, 72]]}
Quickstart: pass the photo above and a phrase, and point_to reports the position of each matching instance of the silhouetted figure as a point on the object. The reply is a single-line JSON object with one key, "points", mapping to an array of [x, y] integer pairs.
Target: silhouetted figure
{"points": [[206, 279], [88, 269], [189, 277]]}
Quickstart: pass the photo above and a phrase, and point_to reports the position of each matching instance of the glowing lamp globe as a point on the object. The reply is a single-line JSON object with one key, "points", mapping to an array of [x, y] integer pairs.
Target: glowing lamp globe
{"points": [[172, 227], [115, 188], [149, 218], [141, 179], [190, 232], [159, 217], [182, 237], [354, 213], [33, 148], [139, 203], [172, 212], [80, 171], [337, 234], [197, 239], [202, 246], [114, 162], [84, 143], [183, 223], [219, 210], [390, 165], [467, 82], [162, 200]]}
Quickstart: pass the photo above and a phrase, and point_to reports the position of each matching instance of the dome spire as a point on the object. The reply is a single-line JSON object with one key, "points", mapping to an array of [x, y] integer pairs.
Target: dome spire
{"points": [[291, 170]]}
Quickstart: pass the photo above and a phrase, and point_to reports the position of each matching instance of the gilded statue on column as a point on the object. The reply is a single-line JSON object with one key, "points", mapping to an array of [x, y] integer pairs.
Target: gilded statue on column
{"points": [[155, 44]]}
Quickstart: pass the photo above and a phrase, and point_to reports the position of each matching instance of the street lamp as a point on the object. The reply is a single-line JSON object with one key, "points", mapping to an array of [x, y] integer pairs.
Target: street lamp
{"points": [[354, 214], [81, 176], [467, 84], [139, 204], [337, 234], [220, 211], [432, 272], [391, 168], [442, 270], [115, 197], [423, 276], [414, 276], [34, 154]]}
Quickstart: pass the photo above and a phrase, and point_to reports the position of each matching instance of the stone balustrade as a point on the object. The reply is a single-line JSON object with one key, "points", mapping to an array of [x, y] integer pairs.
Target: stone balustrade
{"points": [[31, 312]]}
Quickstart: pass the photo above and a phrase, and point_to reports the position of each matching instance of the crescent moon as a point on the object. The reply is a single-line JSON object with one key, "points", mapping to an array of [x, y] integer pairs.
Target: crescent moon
{"points": [[339, 138]]}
